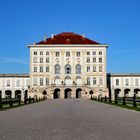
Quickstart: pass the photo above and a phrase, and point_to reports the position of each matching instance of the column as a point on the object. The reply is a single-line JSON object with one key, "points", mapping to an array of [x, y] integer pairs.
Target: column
{"points": [[62, 93], [13, 93], [22, 95], [3, 93]]}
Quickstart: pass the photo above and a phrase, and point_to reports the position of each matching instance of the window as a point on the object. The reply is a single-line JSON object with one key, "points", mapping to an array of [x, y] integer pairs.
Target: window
{"points": [[94, 52], [47, 60], [100, 69], [47, 69], [94, 68], [41, 53], [100, 81], [94, 80], [88, 53], [47, 53], [137, 82], [78, 69], [57, 54], [35, 81], [47, 81], [41, 60], [94, 60], [88, 60], [117, 82], [35, 69], [67, 54], [41, 81], [8, 83], [67, 69], [41, 69], [126, 82], [100, 60], [88, 80], [100, 52], [78, 54], [18, 83], [35, 60], [35, 53], [88, 68], [57, 69]]}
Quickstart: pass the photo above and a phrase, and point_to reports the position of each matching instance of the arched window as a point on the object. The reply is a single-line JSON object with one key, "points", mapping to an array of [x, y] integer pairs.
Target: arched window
{"points": [[78, 69], [57, 69], [67, 69]]}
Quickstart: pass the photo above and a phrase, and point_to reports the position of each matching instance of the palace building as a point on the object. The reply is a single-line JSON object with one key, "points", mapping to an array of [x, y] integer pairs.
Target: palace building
{"points": [[68, 65]]}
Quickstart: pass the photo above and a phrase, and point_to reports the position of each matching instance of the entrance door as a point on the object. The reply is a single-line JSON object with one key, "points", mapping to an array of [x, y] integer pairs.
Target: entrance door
{"points": [[56, 93], [78, 93], [68, 93]]}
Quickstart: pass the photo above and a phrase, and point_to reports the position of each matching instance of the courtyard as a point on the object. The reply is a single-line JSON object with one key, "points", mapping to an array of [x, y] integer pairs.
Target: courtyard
{"points": [[69, 119]]}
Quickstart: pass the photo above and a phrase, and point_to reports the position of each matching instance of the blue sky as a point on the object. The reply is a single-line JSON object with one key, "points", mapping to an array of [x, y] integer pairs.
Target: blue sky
{"points": [[116, 23]]}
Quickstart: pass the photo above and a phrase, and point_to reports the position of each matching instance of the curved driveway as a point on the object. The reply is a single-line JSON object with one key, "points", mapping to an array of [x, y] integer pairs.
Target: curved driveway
{"points": [[69, 120]]}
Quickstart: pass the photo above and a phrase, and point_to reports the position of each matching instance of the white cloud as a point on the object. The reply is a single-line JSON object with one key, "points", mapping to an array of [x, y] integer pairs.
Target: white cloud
{"points": [[14, 60]]}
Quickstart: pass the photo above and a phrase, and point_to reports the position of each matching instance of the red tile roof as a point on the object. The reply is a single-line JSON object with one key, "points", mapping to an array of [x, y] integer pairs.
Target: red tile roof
{"points": [[67, 38]]}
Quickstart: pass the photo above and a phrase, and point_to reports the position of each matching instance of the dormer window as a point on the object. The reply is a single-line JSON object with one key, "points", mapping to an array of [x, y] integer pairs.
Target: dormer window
{"points": [[67, 54]]}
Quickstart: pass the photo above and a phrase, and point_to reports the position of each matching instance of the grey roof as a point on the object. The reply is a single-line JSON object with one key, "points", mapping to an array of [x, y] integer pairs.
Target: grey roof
{"points": [[14, 75], [124, 74]]}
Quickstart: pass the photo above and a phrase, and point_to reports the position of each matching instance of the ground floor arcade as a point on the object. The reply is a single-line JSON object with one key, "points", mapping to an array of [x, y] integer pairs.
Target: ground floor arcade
{"points": [[127, 92], [68, 92], [17, 93]]}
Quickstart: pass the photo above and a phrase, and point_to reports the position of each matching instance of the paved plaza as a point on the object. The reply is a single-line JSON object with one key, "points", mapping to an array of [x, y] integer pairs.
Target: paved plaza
{"points": [[69, 120]]}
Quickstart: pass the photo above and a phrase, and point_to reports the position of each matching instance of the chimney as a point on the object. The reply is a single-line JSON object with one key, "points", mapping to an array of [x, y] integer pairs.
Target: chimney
{"points": [[45, 37], [52, 35], [83, 35]]}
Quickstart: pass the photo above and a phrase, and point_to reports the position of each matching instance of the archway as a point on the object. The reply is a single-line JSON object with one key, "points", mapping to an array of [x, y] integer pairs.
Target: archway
{"points": [[117, 91], [44, 94], [78, 93], [126, 92], [91, 92], [26, 94], [8, 94], [18, 94], [56, 93], [67, 93], [136, 90]]}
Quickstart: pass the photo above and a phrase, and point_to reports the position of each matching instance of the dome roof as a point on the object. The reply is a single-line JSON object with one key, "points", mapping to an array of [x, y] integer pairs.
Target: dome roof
{"points": [[67, 38]]}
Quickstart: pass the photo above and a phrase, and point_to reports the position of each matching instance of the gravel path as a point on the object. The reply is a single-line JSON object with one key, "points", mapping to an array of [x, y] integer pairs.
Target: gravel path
{"points": [[69, 120]]}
